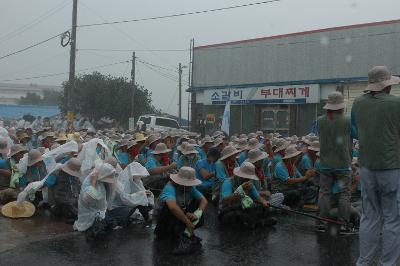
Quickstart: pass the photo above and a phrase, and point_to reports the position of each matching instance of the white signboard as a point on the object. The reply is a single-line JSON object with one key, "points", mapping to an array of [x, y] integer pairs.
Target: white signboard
{"points": [[291, 94]]}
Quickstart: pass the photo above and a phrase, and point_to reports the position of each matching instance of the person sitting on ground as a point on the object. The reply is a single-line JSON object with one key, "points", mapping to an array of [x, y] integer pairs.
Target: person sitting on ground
{"points": [[189, 157], [17, 151], [244, 149], [139, 150], [130, 196], [219, 144], [205, 145], [179, 211], [240, 203], [36, 171], [152, 142], [252, 144], [288, 180], [122, 154], [309, 161], [96, 195], [7, 194], [64, 187], [205, 172], [158, 164], [258, 157], [224, 168]]}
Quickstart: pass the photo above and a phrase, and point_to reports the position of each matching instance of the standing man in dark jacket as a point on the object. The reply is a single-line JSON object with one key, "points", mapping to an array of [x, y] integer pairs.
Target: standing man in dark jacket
{"points": [[334, 131], [376, 117]]}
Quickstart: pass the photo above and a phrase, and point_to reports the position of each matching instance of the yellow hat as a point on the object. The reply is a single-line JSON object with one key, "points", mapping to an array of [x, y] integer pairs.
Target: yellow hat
{"points": [[11, 210]]}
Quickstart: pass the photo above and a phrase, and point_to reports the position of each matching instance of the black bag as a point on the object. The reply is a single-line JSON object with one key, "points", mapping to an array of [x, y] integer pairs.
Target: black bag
{"points": [[97, 230]]}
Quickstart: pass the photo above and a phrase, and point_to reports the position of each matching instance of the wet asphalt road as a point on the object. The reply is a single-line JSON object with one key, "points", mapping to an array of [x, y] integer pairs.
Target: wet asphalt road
{"points": [[292, 242]]}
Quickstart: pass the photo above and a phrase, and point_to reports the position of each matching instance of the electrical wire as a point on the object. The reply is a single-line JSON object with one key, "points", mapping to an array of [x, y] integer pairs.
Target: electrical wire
{"points": [[157, 66], [34, 22], [31, 46], [63, 73], [180, 14], [46, 60], [131, 50], [133, 40], [172, 78], [172, 100]]}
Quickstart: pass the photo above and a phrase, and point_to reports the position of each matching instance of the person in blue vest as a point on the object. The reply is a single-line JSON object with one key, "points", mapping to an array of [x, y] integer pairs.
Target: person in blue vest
{"points": [[241, 206], [205, 172], [179, 211]]}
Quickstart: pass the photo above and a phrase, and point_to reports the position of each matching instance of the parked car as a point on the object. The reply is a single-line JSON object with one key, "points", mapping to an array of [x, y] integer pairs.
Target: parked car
{"points": [[159, 123]]}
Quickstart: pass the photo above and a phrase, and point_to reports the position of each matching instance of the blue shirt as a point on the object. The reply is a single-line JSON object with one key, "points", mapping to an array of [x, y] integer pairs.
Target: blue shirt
{"points": [[209, 167], [282, 173], [221, 171], [51, 180], [151, 163], [122, 157], [227, 190], [4, 164], [169, 193], [201, 152], [242, 157], [180, 161], [305, 163], [276, 159]]}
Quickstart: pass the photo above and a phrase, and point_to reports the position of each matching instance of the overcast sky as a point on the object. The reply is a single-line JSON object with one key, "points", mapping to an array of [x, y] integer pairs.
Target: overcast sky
{"points": [[286, 16]]}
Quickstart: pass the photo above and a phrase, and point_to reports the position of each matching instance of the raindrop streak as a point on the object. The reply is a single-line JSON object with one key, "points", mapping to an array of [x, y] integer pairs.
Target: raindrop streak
{"points": [[349, 58]]}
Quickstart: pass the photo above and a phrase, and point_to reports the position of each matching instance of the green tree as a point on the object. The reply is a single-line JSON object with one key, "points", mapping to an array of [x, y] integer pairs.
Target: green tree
{"points": [[50, 97], [31, 98], [97, 95]]}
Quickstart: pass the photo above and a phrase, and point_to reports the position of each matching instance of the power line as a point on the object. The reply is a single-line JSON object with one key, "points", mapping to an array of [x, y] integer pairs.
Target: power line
{"points": [[31, 46], [180, 14], [34, 65], [153, 65], [63, 73], [123, 33], [169, 77], [34, 22], [131, 50]]}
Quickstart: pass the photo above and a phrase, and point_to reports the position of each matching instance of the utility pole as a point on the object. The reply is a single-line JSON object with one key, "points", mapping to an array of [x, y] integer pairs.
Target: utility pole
{"points": [[133, 71], [71, 105], [180, 94]]}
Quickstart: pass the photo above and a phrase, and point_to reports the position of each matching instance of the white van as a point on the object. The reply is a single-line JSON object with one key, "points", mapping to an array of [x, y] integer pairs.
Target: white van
{"points": [[159, 123]]}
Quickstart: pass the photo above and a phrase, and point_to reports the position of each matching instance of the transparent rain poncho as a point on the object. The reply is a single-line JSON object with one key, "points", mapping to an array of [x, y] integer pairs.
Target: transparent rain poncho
{"points": [[4, 134], [51, 166], [93, 201], [89, 155], [129, 188]]}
